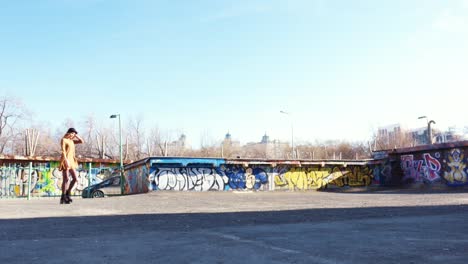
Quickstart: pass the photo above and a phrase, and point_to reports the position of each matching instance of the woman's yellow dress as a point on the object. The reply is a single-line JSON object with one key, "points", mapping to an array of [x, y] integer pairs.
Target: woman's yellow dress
{"points": [[68, 151]]}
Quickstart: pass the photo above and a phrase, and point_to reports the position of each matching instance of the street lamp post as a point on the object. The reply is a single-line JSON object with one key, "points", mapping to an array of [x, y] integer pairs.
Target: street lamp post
{"points": [[120, 152], [429, 128], [292, 133]]}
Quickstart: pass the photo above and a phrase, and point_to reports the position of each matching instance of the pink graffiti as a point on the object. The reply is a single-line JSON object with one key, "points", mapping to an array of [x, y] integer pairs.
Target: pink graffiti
{"points": [[411, 168], [418, 170], [433, 167]]}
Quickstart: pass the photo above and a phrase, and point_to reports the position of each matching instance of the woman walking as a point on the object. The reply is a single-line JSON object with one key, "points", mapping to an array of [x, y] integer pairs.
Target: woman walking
{"points": [[68, 162]]}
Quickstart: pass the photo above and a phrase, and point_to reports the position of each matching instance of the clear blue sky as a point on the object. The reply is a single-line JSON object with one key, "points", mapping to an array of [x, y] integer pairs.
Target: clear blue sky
{"points": [[342, 68]]}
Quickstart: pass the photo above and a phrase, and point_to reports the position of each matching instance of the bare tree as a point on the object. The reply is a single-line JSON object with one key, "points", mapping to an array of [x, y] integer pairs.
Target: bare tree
{"points": [[255, 150], [112, 149], [101, 145], [47, 144], [96, 140], [229, 150], [153, 142], [12, 112], [398, 139], [136, 138], [31, 138], [208, 146], [88, 135]]}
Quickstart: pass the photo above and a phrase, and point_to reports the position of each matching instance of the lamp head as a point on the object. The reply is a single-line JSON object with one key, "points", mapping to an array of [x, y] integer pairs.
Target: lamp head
{"points": [[113, 116]]}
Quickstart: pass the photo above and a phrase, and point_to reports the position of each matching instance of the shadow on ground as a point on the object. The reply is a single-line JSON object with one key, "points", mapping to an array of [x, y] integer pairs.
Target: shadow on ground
{"points": [[52, 227]]}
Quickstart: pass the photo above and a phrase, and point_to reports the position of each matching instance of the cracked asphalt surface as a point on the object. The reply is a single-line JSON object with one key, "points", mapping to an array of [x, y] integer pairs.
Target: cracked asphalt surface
{"points": [[391, 226]]}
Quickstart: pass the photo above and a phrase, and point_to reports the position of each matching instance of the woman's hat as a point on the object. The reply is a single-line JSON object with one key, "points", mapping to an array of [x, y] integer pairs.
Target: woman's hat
{"points": [[72, 130]]}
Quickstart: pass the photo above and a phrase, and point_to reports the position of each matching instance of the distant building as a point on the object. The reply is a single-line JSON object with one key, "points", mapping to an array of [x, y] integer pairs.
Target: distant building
{"points": [[229, 147], [395, 136], [265, 139], [419, 135], [273, 149], [177, 147], [389, 134], [453, 134], [228, 141]]}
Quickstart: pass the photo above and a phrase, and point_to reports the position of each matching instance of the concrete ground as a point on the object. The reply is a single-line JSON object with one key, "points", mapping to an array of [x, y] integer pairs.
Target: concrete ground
{"points": [[239, 227]]}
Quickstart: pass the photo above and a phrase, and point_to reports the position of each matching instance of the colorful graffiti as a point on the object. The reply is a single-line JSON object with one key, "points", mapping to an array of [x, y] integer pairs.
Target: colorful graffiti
{"points": [[382, 173], [188, 179], [352, 176], [456, 173], [426, 169], [134, 183], [444, 164], [199, 177], [314, 178], [207, 179], [299, 178], [46, 180], [241, 178], [443, 167]]}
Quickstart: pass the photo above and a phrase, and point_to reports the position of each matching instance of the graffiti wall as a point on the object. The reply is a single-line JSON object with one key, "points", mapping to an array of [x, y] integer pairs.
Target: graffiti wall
{"points": [[454, 167], [314, 178], [137, 179], [423, 168], [186, 175], [444, 165], [208, 179], [188, 179], [382, 173], [46, 179]]}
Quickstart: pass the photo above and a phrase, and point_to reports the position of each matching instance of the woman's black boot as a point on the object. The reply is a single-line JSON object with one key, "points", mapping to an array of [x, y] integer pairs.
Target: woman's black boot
{"points": [[68, 197], [63, 200]]}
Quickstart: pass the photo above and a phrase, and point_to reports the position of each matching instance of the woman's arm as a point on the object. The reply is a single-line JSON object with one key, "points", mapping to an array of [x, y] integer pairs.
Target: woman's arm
{"points": [[78, 140]]}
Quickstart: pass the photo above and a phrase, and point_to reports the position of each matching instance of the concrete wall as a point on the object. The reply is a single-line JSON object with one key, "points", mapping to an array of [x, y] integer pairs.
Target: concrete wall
{"points": [[192, 174]]}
